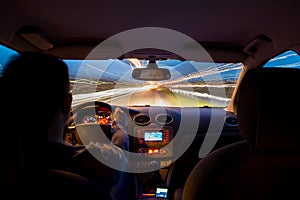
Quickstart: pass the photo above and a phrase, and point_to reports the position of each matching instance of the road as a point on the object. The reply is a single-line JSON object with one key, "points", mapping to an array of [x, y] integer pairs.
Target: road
{"points": [[160, 96]]}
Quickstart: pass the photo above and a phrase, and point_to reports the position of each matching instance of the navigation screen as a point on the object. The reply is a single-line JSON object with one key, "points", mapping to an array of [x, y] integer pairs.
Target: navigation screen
{"points": [[153, 136]]}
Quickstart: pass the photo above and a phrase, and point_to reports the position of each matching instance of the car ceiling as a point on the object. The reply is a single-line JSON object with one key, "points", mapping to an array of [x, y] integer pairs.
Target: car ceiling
{"points": [[221, 26]]}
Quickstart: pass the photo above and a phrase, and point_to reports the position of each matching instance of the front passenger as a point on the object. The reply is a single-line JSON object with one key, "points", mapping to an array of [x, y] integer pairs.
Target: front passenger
{"points": [[35, 105]]}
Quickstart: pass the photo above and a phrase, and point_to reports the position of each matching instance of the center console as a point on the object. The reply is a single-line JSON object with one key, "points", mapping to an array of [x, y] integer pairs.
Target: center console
{"points": [[153, 142]]}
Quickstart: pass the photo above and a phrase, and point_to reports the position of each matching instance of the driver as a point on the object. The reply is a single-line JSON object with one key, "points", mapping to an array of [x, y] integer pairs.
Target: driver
{"points": [[80, 159], [120, 126]]}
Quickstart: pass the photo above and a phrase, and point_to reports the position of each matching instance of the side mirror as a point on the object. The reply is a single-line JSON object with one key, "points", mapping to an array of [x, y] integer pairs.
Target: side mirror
{"points": [[151, 74]]}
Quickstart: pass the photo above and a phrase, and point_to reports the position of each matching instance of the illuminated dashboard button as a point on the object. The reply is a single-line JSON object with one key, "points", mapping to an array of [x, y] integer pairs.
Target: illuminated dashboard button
{"points": [[164, 150], [141, 150]]}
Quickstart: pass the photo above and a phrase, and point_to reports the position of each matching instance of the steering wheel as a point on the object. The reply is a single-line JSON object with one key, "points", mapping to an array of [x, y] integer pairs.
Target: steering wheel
{"points": [[91, 122], [93, 109]]}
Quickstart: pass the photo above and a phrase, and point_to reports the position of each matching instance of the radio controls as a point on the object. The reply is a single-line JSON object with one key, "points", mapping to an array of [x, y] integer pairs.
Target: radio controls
{"points": [[153, 141], [153, 151]]}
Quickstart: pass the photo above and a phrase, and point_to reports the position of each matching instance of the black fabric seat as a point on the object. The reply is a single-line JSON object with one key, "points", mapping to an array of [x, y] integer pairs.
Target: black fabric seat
{"points": [[267, 164]]}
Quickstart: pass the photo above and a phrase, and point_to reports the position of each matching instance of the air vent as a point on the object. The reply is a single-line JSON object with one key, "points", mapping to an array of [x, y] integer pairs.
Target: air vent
{"points": [[163, 119], [231, 121], [142, 120]]}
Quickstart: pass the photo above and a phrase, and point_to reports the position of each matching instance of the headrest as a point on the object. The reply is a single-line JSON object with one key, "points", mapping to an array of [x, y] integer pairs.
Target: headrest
{"points": [[268, 108]]}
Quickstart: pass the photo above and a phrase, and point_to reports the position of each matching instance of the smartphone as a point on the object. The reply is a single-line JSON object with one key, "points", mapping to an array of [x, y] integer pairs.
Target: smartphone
{"points": [[161, 192]]}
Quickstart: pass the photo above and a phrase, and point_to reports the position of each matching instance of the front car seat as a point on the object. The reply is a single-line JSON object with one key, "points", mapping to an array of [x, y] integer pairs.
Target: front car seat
{"points": [[267, 164]]}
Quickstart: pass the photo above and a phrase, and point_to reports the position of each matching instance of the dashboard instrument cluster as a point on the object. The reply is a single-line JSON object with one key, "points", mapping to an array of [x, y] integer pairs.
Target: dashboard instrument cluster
{"points": [[100, 117], [97, 115]]}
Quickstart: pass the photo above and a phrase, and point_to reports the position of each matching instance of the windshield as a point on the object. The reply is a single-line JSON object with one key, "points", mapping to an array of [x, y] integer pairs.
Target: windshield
{"points": [[192, 84]]}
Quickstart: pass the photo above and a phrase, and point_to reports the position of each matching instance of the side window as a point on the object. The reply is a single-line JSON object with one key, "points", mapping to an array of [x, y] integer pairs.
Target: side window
{"points": [[288, 59], [5, 55]]}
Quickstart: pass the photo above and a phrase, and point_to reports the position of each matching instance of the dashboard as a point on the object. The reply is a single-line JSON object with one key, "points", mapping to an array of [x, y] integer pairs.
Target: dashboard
{"points": [[161, 137], [165, 134], [172, 137], [152, 129], [173, 133]]}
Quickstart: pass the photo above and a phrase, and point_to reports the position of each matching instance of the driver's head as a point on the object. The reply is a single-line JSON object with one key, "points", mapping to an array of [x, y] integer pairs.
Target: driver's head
{"points": [[120, 117]]}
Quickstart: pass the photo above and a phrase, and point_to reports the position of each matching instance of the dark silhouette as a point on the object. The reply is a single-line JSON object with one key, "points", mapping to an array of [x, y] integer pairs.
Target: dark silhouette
{"points": [[36, 101]]}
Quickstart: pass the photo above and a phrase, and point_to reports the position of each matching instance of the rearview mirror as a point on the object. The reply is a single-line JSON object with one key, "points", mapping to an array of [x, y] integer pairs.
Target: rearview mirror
{"points": [[151, 74]]}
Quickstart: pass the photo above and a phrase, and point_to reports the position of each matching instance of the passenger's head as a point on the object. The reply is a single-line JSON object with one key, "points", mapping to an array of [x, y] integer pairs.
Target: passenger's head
{"points": [[35, 102], [39, 83], [36, 95]]}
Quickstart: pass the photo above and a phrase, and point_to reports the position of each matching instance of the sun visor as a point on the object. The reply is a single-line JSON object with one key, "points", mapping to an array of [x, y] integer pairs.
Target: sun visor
{"points": [[87, 51], [35, 37]]}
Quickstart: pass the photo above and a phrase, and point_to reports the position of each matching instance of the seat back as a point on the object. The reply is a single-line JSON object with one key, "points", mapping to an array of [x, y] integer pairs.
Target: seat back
{"points": [[267, 164]]}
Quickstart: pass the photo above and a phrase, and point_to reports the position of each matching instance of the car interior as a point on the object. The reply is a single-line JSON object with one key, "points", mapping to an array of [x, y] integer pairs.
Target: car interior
{"points": [[209, 88]]}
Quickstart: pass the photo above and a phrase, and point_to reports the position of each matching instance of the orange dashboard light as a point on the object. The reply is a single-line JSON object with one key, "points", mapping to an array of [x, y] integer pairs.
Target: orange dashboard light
{"points": [[155, 150], [149, 195], [103, 121]]}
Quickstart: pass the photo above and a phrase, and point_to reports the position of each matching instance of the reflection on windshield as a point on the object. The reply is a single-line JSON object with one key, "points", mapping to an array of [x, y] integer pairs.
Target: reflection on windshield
{"points": [[192, 84]]}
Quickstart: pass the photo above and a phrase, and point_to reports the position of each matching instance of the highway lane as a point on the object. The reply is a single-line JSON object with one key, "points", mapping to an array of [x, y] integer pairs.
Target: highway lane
{"points": [[158, 96]]}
